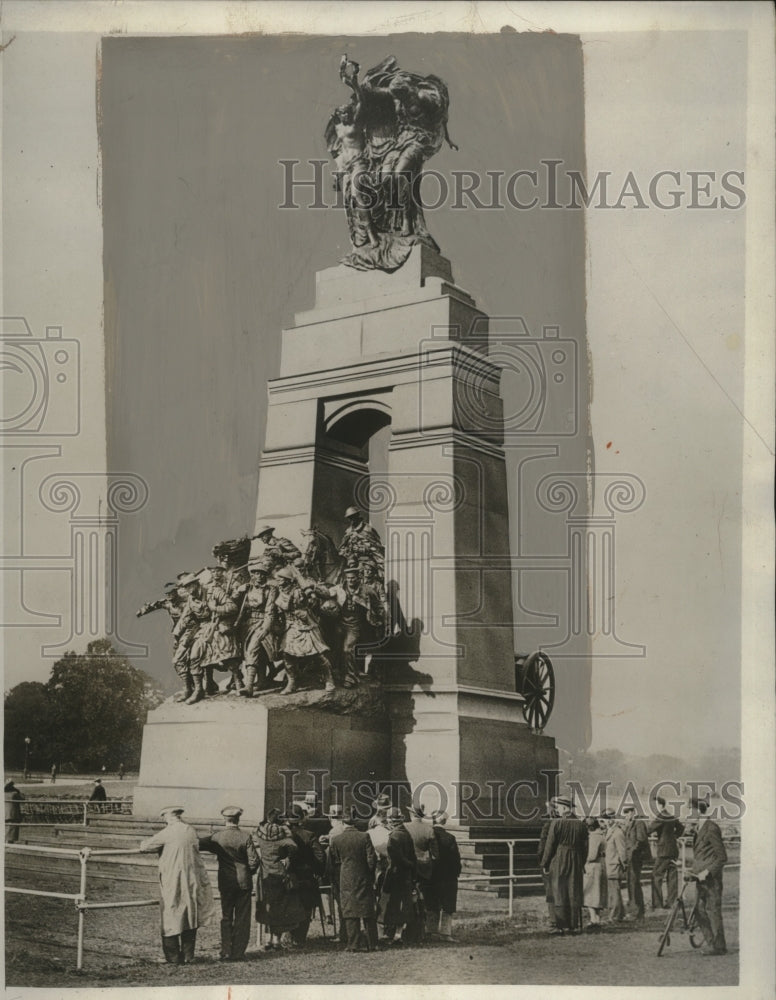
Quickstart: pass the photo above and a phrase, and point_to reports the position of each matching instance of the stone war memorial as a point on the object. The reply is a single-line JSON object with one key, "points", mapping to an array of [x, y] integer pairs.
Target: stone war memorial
{"points": [[366, 626]]}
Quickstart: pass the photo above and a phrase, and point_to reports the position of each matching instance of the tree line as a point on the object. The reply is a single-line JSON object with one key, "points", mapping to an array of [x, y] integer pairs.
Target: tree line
{"points": [[89, 714]]}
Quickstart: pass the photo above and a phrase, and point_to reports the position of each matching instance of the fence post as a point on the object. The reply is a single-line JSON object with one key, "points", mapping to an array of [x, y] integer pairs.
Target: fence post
{"points": [[84, 857], [86, 809], [511, 845]]}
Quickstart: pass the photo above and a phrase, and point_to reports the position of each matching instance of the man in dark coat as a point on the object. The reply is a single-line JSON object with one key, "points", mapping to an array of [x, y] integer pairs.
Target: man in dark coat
{"points": [[425, 844], [308, 865], [397, 905], [668, 828], [13, 812], [637, 852], [564, 861], [442, 895], [237, 863], [539, 854], [99, 795], [709, 858], [353, 863]]}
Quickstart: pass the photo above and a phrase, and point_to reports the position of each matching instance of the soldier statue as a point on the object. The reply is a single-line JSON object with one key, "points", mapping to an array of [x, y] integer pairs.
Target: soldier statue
{"points": [[279, 552], [302, 640], [260, 624], [362, 542]]}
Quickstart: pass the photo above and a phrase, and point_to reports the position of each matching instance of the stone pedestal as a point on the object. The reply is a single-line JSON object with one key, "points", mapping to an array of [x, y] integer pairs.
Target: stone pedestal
{"points": [[235, 751]]}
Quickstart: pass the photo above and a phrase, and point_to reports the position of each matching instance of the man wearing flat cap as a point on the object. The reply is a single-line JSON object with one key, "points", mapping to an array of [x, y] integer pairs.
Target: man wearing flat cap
{"points": [[708, 860], [237, 863], [187, 899]]}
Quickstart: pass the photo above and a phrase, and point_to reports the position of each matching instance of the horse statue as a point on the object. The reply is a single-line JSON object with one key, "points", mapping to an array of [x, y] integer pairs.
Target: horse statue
{"points": [[320, 559]]}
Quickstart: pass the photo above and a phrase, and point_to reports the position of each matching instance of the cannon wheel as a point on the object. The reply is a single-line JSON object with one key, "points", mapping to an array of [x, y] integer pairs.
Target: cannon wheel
{"points": [[537, 686]]}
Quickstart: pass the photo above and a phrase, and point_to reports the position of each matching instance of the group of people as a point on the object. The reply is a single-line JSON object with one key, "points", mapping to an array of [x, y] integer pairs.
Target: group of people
{"points": [[398, 873], [584, 864], [281, 613]]}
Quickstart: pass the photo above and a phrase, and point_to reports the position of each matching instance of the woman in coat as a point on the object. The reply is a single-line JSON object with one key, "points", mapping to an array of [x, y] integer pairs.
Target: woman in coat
{"points": [[278, 903], [187, 899], [564, 861], [594, 885]]}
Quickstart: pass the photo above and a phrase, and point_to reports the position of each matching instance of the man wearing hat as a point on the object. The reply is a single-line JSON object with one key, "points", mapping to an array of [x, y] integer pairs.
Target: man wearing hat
{"points": [[13, 812], [278, 552], [315, 821], [637, 848], [353, 864], [709, 859], [186, 896], [309, 863], [336, 829], [361, 541], [564, 861], [397, 905], [442, 893], [98, 793], [381, 805], [616, 863], [237, 863], [425, 844]]}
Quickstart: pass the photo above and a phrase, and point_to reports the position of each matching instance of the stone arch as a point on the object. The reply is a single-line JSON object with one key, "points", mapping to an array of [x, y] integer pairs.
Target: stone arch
{"points": [[354, 421]]}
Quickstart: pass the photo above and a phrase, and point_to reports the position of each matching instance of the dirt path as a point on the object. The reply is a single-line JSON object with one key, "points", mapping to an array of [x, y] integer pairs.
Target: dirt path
{"points": [[122, 951]]}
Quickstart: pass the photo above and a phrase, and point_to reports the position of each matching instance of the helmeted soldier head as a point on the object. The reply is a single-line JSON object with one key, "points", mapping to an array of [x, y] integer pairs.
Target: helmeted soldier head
{"points": [[285, 577], [368, 571], [266, 533], [189, 583], [259, 571], [353, 516]]}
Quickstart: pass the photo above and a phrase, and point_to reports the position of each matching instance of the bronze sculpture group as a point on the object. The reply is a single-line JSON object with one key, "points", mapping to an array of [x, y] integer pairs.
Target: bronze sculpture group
{"points": [[379, 141], [282, 613]]}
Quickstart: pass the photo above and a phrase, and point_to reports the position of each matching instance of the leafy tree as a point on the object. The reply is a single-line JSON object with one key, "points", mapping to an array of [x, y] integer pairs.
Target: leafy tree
{"points": [[27, 715], [95, 706]]}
